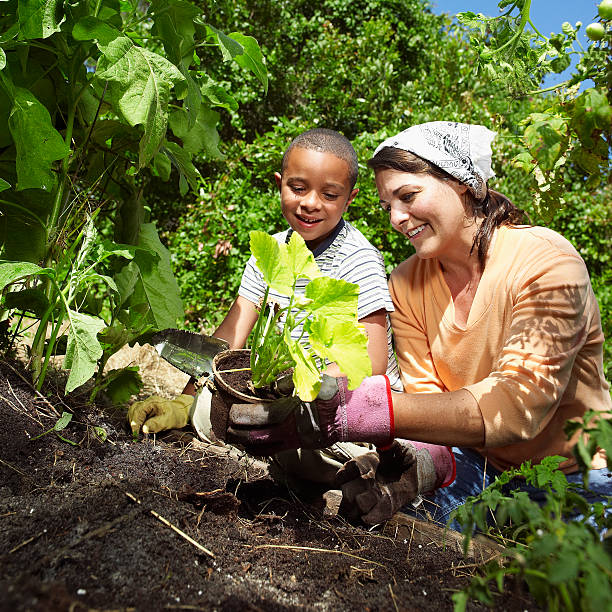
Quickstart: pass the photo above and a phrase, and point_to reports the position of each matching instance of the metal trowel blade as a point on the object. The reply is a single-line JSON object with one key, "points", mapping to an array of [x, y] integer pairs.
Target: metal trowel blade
{"points": [[189, 352]]}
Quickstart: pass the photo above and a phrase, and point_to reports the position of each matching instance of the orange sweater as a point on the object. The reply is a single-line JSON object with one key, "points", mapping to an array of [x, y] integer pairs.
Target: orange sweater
{"points": [[530, 354]]}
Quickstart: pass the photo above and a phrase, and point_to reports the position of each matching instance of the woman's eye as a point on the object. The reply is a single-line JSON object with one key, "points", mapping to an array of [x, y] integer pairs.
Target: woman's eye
{"points": [[386, 208], [406, 197]]}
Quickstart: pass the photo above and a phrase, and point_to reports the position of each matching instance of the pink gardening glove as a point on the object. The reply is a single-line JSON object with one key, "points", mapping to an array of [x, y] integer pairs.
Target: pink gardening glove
{"points": [[337, 415], [376, 485]]}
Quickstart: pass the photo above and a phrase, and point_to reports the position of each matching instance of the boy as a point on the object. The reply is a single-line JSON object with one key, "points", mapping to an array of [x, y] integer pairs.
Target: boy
{"points": [[317, 185]]}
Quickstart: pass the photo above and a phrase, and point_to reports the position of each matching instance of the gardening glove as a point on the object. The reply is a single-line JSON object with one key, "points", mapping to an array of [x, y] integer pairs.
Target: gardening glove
{"points": [[376, 485], [157, 414], [336, 415]]}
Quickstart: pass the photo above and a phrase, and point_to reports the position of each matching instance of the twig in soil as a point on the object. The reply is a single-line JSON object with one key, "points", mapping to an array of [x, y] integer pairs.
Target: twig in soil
{"points": [[34, 389], [393, 599], [173, 527], [13, 468], [25, 542], [321, 550]]}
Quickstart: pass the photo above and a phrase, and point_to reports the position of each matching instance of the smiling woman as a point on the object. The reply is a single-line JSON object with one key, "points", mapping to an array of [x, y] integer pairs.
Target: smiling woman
{"points": [[497, 334]]}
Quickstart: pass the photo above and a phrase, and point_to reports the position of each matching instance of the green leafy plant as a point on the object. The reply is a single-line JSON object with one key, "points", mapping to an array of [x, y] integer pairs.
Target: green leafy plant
{"points": [[555, 547], [328, 311], [573, 133], [61, 424], [98, 98]]}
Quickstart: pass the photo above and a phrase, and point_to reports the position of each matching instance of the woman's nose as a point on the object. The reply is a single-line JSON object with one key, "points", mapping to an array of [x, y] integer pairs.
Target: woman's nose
{"points": [[397, 216]]}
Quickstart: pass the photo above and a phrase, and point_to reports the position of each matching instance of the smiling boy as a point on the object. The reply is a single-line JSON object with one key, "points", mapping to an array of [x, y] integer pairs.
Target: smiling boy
{"points": [[316, 185]]}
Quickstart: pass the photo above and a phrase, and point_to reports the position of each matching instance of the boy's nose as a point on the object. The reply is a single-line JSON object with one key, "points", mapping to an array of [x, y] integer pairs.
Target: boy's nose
{"points": [[310, 201]]}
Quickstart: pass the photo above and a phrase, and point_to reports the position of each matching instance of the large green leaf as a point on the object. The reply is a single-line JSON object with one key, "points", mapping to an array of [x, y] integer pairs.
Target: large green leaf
{"points": [[546, 138], [91, 28], [343, 343], [200, 137], [39, 18], [306, 375], [83, 350], [140, 83], [272, 261], [173, 23], [181, 160], [244, 50], [37, 142], [11, 271], [300, 259], [251, 57], [332, 297], [153, 281]]}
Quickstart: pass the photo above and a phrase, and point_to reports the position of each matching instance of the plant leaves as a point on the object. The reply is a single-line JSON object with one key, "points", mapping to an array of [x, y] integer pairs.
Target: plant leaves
{"points": [[92, 28], [181, 160], [244, 50], [4, 184], [306, 375], [120, 385], [39, 18], [63, 421], [156, 285], [37, 142], [273, 261], [300, 259], [333, 297], [546, 138], [140, 84], [200, 137], [251, 57], [28, 300], [83, 349], [343, 343], [11, 271]]}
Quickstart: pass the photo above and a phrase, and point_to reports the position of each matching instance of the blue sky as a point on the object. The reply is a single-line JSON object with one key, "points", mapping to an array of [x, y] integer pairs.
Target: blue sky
{"points": [[547, 15]]}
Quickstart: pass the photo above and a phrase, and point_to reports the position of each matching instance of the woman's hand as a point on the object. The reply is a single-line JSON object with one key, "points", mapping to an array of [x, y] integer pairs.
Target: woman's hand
{"points": [[337, 415]]}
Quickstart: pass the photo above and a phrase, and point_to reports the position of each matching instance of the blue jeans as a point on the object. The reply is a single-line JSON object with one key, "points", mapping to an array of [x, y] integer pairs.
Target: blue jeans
{"points": [[472, 479]]}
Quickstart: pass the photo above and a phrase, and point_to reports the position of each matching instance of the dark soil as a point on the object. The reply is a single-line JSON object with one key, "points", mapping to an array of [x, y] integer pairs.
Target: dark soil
{"points": [[81, 527]]}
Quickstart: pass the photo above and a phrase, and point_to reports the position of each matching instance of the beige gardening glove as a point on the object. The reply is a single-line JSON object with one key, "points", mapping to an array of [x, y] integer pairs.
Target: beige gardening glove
{"points": [[157, 413]]}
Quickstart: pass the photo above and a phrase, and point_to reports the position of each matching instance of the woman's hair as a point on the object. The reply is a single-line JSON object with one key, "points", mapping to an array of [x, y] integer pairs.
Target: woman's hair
{"points": [[495, 210]]}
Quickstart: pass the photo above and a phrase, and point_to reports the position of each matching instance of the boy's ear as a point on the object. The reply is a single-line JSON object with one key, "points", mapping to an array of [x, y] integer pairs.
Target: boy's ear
{"points": [[278, 178], [351, 198]]}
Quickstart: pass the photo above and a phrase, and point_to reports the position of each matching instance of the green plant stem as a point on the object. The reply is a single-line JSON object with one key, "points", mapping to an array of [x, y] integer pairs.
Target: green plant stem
{"points": [[257, 331]]}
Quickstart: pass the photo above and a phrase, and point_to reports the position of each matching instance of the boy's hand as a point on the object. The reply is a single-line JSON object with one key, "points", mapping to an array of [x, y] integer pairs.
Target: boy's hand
{"points": [[157, 414], [336, 415]]}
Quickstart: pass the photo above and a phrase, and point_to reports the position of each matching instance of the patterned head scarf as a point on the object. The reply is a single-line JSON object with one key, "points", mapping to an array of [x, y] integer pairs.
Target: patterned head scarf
{"points": [[461, 149]]}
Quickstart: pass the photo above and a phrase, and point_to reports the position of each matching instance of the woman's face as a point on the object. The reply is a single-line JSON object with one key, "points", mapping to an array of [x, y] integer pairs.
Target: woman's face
{"points": [[429, 211]]}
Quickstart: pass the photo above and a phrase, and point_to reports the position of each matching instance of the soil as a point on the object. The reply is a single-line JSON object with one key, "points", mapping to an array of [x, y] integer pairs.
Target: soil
{"points": [[169, 522]]}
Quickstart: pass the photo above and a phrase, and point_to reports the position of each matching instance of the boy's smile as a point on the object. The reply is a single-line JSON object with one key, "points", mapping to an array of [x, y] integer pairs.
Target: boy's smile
{"points": [[315, 190]]}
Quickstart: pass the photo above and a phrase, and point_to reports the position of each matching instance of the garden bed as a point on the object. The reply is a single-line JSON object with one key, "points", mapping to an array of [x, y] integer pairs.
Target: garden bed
{"points": [[172, 523]]}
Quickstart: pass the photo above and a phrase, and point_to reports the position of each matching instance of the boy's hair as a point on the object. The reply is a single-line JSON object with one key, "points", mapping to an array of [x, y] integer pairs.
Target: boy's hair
{"points": [[326, 141]]}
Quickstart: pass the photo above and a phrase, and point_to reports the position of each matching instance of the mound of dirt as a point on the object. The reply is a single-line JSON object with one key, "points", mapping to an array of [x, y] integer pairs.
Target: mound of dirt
{"points": [[172, 523]]}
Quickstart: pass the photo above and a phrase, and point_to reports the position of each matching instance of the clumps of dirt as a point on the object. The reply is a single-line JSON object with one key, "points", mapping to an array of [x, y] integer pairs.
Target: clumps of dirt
{"points": [[164, 524]]}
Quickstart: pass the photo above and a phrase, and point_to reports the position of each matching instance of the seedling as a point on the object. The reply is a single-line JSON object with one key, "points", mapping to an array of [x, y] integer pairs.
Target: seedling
{"points": [[328, 310]]}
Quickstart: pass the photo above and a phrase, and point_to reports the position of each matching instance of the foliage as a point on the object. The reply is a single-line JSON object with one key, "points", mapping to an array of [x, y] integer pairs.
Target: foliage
{"points": [[555, 547], [573, 134], [328, 312], [96, 98]]}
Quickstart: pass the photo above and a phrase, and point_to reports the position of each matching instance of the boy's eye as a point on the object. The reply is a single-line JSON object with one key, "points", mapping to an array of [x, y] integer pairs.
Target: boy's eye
{"points": [[297, 188], [331, 196]]}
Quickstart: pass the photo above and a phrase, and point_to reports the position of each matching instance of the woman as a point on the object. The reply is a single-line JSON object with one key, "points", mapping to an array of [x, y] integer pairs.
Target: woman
{"points": [[497, 332]]}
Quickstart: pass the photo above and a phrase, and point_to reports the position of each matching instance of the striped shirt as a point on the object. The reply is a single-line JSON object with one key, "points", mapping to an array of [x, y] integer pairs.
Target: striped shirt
{"points": [[348, 256]]}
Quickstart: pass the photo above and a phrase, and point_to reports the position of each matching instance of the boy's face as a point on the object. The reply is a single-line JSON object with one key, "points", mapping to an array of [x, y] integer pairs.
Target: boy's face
{"points": [[315, 190]]}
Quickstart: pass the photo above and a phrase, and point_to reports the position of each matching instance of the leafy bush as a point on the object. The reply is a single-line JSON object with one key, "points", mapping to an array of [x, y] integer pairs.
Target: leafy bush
{"points": [[95, 98], [555, 547]]}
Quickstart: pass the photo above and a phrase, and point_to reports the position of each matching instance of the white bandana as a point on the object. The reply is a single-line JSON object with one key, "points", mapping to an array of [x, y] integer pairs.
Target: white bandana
{"points": [[461, 149]]}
